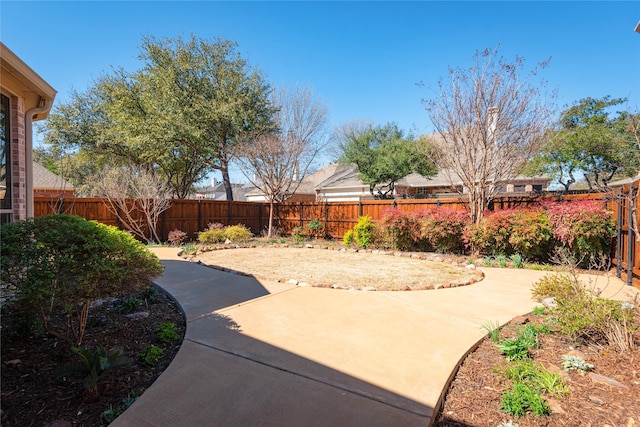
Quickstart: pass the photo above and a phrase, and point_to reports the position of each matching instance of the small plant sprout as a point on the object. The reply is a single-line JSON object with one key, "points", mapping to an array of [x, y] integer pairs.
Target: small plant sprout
{"points": [[538, 310], [502, 261], [488, 261], [517, 261], [493, 330], [575, 363], [166, 333]]}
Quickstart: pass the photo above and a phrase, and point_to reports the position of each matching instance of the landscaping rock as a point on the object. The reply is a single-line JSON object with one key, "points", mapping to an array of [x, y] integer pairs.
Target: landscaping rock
{"points": [[521, 320], [139, 315], [555, 407], [303, 284], [596, 400], [470, 267], [309, 246], [597, 378], [368, 288], [293, 282], [549, 302]]}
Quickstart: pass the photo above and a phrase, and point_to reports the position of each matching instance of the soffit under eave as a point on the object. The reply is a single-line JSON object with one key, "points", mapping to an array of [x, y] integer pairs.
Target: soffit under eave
{"points": [[18, 79]]}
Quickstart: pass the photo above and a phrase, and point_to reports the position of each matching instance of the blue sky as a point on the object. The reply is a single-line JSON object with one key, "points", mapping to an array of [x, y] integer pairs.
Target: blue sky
{"points": [[362, 58]]}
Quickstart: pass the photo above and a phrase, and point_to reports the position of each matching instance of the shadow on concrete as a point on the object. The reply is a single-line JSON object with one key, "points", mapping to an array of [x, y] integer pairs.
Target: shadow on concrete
{"points": [[222, 377]]}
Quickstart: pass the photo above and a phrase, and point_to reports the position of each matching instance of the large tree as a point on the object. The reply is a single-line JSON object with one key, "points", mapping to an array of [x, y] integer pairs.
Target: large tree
{"points": [[276, 162], [490, 119], [382, 155], [590, 140], [181, 114]]}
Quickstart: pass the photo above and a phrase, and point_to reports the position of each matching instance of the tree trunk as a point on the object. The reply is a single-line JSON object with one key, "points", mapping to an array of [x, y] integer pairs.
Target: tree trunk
{"points": [[270, 218], [224, 168]]}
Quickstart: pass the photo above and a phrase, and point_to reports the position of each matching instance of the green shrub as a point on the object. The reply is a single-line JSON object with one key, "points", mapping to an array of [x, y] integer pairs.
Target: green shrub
{"points": [[237, 233], [166, 332], [363, 233], [298, 234], [523, 399], [212, 236], [128, 304], [536, 376], [151, 355], [558, 285], [65, 261], [95, 364], [530, 233], [349, 238], [315, 228]]}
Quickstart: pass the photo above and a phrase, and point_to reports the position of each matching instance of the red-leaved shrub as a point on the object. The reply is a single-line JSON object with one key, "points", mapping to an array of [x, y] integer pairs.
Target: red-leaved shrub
{"points": [[586, 227], [441, 228]]}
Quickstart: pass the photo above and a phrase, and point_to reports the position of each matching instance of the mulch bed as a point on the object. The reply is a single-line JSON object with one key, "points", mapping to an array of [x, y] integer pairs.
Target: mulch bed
{"points": [[474, 396], [35, 391]]}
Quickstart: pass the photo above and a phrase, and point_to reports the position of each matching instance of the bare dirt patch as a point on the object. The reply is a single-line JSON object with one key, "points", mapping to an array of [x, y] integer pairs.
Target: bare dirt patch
{"points": [[385, 271]]}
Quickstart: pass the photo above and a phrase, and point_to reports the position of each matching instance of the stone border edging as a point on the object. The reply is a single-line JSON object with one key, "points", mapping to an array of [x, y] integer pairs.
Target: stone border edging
{"points": [[428, 256]]}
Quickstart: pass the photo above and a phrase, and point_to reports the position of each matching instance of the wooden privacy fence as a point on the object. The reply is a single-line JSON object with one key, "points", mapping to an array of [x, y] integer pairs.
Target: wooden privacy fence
{"points": [[625, 204], [192, 216]]}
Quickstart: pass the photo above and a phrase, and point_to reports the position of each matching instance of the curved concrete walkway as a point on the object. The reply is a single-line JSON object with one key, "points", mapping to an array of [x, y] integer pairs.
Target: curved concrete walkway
{"points": [[270, 354]]}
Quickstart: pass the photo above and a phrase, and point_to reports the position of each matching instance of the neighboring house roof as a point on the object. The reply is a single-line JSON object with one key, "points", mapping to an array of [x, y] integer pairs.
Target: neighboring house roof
{"points": [[441, 179], [44, 179], [625, 181], [345, 176], [218, 192], [307, 185]]}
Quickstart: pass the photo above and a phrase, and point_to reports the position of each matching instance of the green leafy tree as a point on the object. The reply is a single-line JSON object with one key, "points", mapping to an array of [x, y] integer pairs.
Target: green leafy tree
{"points": [[590, 140], [383, 155], [181, 114]]}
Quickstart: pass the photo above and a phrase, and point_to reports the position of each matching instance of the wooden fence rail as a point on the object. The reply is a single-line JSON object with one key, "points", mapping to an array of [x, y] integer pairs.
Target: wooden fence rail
{"points": [[192, 216]]}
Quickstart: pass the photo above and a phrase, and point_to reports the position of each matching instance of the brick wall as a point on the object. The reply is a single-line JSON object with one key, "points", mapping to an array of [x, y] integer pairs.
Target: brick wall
{"points": [[18, 147]]}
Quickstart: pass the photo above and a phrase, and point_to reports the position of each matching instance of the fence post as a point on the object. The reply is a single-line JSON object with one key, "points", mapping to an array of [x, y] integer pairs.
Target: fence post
{"points": [[630, 238], [619, 241], [301, 214], [229, 215], [360, 207], [326, 220]]}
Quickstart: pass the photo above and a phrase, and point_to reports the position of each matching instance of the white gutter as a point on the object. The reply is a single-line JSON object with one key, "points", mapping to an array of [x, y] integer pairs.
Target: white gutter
{"points": [[28, 155]]}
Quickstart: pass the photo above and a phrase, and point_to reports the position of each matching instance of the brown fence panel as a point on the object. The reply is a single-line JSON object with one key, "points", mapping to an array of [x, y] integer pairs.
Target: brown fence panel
{"points": [[192, 216], [627, 248]]}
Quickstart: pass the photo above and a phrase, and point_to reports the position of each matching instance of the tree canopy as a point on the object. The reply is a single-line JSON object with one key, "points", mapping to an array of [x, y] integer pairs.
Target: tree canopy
{"points": [[182, 113], [383, 155], [592, 141]]}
